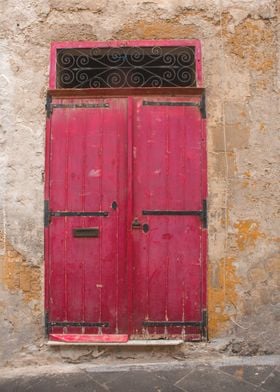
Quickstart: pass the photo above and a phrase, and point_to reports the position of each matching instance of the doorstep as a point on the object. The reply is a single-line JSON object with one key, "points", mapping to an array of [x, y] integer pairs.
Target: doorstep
{"points": [[106, 340]]}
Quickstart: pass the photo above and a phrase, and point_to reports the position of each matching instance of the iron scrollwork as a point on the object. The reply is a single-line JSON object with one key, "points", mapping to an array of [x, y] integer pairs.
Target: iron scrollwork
{"points": [[126, 67]]}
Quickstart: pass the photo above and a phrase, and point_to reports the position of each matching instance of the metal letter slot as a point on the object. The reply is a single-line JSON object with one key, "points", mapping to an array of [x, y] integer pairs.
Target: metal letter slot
{"points": [[86, 232]]}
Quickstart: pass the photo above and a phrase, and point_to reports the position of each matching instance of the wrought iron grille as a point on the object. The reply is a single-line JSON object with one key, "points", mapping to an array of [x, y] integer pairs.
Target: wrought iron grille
{"points": [[126, 67]]}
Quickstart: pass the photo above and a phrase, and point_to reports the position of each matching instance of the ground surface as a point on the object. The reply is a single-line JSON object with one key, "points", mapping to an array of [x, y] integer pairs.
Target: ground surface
{"points": [[213, 375]]}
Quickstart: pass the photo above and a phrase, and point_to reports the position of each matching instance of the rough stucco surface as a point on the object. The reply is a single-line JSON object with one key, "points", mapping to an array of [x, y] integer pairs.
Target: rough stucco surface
{"points": [[240, 45]]}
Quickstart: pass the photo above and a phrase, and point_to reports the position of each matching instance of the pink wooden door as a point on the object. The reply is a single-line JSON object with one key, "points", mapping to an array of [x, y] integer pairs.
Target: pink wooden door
{"points": [[167, 212], [125, 242], [86, 227]]}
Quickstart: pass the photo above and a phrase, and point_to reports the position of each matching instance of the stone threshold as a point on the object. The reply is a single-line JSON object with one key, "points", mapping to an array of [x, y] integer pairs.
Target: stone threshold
{"points": [[170, 342]]}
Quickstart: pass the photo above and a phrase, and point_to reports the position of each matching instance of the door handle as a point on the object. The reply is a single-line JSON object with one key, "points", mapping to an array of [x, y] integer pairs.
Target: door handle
{"points": [[136, 225]]}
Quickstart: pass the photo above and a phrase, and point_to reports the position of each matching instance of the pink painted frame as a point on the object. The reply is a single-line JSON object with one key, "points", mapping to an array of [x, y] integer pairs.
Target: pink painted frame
{"points": [[157, 91], [117, 44]]}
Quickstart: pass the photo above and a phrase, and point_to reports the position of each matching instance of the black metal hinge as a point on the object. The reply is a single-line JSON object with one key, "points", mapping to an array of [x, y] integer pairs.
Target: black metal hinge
{"points": [[79, 105], [201, 213], [48, 106], [48, 213], [47, 216], [204, 214], [202, 105], [205, 324], [46, 323], [172, 324], [49, 324], [169, 103]]}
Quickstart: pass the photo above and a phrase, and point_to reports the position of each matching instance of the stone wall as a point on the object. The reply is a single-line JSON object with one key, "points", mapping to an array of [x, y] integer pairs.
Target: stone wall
{"points": [[240, 47]]}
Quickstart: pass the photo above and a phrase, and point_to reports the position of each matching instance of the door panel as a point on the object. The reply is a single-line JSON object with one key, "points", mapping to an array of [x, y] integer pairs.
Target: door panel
{"points": [[166, 177], [88, 172]]}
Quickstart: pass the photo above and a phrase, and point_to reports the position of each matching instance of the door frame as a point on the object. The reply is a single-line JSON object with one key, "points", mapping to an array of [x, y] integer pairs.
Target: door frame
{"points": [[117, 44], [55, 94]]}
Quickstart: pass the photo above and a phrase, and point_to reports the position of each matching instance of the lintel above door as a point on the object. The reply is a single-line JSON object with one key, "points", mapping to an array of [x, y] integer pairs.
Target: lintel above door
{"points": [[121, 92]]}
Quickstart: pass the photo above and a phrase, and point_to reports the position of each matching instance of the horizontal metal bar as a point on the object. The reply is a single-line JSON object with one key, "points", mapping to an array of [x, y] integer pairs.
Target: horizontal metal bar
{"points": [[171, 212], [78, 213], [79, 105], [172, 323], [77, 324], [168, 103]]}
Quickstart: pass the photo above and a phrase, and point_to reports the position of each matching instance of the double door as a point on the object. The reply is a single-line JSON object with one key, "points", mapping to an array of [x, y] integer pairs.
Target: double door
{"points": [[125, 218]]}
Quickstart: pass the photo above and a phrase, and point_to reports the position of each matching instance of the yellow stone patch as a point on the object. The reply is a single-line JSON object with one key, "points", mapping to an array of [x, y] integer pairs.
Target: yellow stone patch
{"points": [[248, 233], [222, 295], [18, 275]]}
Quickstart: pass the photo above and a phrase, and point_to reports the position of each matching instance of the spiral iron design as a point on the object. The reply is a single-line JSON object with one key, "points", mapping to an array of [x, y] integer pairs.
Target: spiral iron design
{"points": [[126, 67]]}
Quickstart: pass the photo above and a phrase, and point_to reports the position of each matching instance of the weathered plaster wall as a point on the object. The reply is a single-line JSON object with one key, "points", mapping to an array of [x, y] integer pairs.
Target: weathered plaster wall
{"points": [[241, 73]]}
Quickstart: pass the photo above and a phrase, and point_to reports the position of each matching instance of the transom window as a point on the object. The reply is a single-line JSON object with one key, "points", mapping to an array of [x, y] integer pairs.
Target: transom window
{"points": [[157, 66]]}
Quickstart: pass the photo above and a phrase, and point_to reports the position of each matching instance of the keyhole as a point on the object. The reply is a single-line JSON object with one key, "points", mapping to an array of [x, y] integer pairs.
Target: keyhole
{"points": [[145, 227], [114, 205]]}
